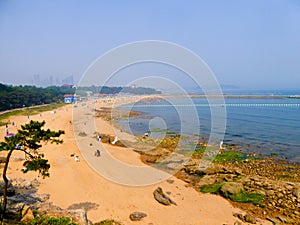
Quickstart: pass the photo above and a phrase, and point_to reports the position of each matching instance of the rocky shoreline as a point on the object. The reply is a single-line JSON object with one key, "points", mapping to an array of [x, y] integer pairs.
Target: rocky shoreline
{"points": [[273, 181], [271, 186]]}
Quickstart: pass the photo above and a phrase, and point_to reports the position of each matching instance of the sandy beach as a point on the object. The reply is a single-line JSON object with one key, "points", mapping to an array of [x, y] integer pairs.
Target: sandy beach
{"points": [[73, 182]]}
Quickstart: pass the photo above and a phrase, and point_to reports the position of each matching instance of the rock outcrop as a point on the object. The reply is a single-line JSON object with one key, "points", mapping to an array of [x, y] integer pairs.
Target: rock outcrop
{"points": [[232, 188], [162, 198]]}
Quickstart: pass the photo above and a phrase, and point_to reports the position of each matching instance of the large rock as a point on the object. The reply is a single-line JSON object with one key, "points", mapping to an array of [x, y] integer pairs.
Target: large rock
{"points": [[137, 216], [232, 188], [249, 219], [77, 215], [162, 198]]}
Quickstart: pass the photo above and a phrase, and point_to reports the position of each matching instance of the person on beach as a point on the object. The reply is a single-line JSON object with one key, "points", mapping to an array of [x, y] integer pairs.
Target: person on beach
{"points": [[115, 141], [76, 158], [97, 153], [221, 145], [98, 138], [6, 130]]}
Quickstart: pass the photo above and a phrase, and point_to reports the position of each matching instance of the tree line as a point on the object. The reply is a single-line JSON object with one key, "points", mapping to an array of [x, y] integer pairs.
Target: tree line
{"points": [[12, 97]]}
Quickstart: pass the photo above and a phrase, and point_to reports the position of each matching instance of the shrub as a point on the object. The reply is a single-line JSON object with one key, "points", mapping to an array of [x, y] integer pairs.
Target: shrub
{"points": [[49, 220], [108, 222], [213, 189]]}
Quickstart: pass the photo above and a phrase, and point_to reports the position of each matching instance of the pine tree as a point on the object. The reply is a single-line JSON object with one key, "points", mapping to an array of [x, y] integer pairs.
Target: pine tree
{"points": [[29, 139]]}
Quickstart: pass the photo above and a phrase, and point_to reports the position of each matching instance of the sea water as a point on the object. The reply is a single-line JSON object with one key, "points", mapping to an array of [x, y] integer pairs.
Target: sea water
{"points": [[262, 125]]}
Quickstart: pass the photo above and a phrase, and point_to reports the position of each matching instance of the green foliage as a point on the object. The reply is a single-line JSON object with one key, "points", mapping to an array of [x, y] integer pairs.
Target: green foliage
{"points": [[230, 156], [30, 137], [28, 111], [246, 197], [108, 222], [12, 97], [50, 220], [243, 196], [41, 165], [213, 189], [117, 90]]}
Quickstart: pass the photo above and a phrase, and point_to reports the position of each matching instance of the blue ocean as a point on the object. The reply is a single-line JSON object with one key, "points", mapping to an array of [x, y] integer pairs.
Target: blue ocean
{"points": [[261, 125]]}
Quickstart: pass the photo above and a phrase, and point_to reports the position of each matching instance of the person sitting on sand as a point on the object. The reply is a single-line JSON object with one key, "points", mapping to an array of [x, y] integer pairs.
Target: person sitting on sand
{"points": [[76, 158], [97, 153]]}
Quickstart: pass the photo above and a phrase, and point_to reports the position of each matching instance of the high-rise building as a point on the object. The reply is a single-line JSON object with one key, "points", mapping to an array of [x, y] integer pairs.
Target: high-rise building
{"points": [[36, 80]]}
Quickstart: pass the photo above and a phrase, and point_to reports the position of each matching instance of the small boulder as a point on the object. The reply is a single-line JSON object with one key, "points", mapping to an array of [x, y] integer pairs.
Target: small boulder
{"points": [[137, 216], [232, 188], [237, 223], [162, 198], [249, 219]]}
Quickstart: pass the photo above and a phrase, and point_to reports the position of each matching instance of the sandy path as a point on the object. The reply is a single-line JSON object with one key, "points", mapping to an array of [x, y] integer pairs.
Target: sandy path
{"points": [[73, 182]]}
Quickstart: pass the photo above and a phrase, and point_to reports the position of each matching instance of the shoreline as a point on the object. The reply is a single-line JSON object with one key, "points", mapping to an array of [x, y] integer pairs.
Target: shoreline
{"points": [[272, 147], [73, 182], [265, 162]]}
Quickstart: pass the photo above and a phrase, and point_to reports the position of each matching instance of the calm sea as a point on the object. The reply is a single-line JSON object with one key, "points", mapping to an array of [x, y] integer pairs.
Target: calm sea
{"points": [[267, 126]]}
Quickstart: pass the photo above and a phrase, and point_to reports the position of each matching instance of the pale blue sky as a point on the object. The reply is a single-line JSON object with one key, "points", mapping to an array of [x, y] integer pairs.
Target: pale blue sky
{"points": [[251, 44]]}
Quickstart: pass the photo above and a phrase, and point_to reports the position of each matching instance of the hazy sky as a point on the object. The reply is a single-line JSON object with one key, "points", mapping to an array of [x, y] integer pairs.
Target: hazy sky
{"points": [[250, 44]]}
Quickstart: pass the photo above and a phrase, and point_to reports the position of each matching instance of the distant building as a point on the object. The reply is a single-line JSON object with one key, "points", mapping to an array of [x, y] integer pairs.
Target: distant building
{"points": [[67, 85], [68, 99]]}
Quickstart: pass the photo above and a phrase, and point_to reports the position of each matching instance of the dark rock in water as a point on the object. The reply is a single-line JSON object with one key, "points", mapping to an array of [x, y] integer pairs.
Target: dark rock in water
{"points": [[162, 198], [137, 216], [232, 188]]}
